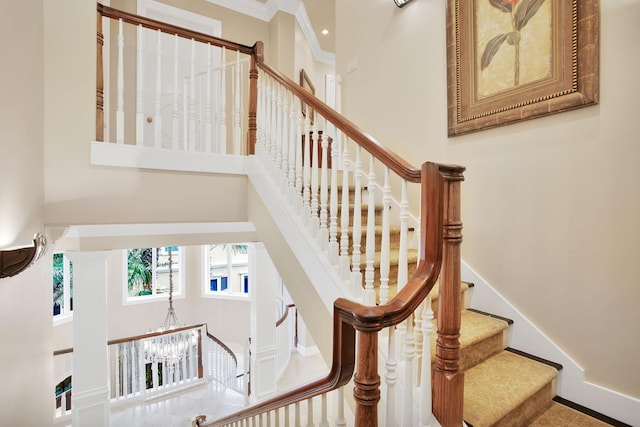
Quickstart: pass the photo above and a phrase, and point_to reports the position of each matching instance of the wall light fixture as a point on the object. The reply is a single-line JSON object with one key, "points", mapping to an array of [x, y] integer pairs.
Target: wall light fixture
{"points": [[402, 3], [15, 261]]}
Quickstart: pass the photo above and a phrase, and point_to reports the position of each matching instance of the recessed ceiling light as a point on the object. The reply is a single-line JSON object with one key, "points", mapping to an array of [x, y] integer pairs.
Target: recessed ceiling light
{"points": [[324, 31]]}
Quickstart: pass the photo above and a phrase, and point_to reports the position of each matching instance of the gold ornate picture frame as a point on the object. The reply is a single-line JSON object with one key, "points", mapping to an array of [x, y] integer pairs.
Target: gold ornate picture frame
{"points": [[514, 60]]}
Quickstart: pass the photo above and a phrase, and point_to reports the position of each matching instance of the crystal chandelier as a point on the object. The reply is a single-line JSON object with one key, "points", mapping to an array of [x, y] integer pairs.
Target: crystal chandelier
{"points": [[169, 349]]}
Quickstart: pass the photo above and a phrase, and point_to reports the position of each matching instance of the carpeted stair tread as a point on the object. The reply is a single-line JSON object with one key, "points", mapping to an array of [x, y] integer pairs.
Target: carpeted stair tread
{"points": [[480, 338], [561, 415], [498, 391]]}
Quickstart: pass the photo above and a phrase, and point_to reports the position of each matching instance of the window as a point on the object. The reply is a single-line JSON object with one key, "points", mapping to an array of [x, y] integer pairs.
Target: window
{"points": [[148, 274], [62, 280], [226, 270]]}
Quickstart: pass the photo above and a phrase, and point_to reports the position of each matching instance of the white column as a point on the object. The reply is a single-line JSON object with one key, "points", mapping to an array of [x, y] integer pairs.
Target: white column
{"points": [[264, 282], [90, 354]]}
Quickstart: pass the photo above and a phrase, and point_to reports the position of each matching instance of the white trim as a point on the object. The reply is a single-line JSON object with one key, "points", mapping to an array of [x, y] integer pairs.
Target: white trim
{"points": [[266, 11], [525, 336], [320, 55], [298, 237], [181, 17], [307, 351], [132, 156]]}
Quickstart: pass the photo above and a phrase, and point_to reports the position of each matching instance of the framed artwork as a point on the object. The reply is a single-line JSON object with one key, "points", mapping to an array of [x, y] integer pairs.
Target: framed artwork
{"points": [[514, 60], [305, 82]]}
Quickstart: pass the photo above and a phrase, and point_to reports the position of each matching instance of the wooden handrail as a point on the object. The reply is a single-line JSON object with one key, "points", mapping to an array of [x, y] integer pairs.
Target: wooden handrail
{"points": [[224, 347], [281, 320], [366, 141], [131, 18], [350, 316], [137, 337]]}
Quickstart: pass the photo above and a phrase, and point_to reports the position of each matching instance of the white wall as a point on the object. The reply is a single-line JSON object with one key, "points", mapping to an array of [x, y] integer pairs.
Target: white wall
{"points": [[550, 206], [25, 355]]}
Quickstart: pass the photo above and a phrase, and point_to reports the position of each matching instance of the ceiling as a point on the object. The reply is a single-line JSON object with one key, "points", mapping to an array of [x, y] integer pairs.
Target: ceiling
{"points": [[322, 15]]}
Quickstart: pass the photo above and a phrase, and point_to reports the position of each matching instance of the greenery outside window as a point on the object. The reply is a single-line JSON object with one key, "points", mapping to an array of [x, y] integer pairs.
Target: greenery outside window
{"points": [[147, 273], [226, 270], [62, 280]]}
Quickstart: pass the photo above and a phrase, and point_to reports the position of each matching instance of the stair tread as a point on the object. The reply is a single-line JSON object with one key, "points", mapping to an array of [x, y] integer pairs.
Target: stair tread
{"points": [[501, 384], [476, 329], [561, 415]]}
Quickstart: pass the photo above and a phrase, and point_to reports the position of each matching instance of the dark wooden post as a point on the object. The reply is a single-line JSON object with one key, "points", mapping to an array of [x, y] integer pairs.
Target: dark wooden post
{"points": [[448, 381], [99, 82], [258, 54], [200, 366], [367, 381]]}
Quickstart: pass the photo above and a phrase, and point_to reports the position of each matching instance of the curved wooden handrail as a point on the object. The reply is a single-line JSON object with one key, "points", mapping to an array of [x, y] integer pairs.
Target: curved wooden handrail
{"points": [[344, 336], [137, 337], [281, 320], [152, 24], [366, 141], [224, 347], [350, 316]]}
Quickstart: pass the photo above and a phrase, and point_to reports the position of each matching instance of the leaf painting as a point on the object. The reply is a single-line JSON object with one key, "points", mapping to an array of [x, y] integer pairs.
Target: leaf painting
{"points": [[521, 12]]}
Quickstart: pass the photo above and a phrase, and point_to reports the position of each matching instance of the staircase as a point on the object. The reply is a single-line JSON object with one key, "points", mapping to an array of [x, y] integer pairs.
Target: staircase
{"points": [[503, 387]]}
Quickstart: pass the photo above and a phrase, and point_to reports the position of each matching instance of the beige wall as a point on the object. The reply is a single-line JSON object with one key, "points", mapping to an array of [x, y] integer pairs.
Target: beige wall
{"points": [[304, 60], [550, 206], [25, 354], [78, 193]]}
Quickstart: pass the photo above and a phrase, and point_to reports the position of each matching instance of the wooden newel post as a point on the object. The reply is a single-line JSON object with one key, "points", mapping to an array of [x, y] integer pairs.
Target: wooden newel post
{"points": [[200, 365], [258, 55], [367, 381], [99, 82], [448, 380]]}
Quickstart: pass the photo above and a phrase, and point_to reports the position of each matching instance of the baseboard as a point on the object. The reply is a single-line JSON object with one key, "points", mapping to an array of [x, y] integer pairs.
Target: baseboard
{"points": [[591, 413], [525, 336], [307, 351]]}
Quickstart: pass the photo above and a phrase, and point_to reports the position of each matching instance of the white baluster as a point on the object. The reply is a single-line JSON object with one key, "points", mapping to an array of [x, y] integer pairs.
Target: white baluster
{"points": [[324, 189], [391, 378], [403, 274], [324, 422], [313, 146], [222, 148], [306, 166], [384, 245], [267, 122], [286, 416], [140, 78], [118, 366], [274, 127], [356, 274], [340, 420], [427, 419], [157, 125], [369, 296], [418, 342], [296, 414], [406, 418], [345, 270], [192, 99], [277, 170], [185, 114], [299, 156], [175, 110], [309, 412], [333, 206], [293, 155], [237, 131], [284, 165], [141, 379], [208, 132], [120, 87]]}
